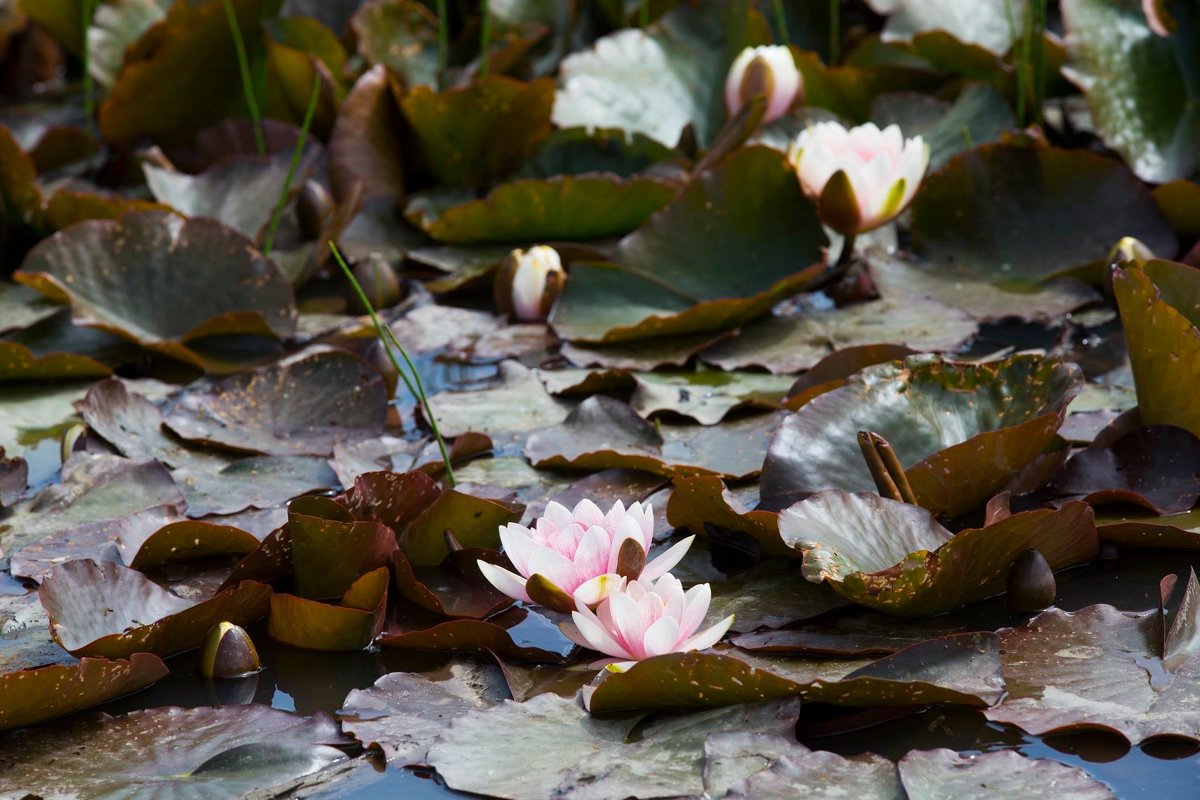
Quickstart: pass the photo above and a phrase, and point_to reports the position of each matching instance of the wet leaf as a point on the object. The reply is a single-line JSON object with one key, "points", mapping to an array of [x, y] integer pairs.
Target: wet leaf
{"points": [[795, 343], [772, 594], [979, 115], [21, 307], [851, 634], [999, 212], [182, 540], [816, 774], [896, 558], [705, 396], [698, 502], [107, 610], [987, 24], [297, 406], [168, 752], [564, 207], [1174, 531], [447, 593], [217, 284], [516, 633], [563, 751], [351, 625], [518, 403], [401, 34], [602, 433], [253, 482], [960, 430], [363, 146], [945, 773], [330, 550]]}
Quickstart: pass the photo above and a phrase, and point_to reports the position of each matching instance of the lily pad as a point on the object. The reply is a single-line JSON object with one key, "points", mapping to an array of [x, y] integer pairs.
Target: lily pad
{"points": [[182, 540], [564, 207], [1115, 56], [363, 147], [762, 242], [896, 558], [564, 751], [205, 753], [792, 344], [700, 501], [330, 550], [297, 406], [979, 115], [254, 482], [107, 610], [862, 633], [999, 211], [705, 396], [770, 595], [519, 403], [1161, 321], [1006, 773], [602, 433], [988, 23], [500, 636], [446, 591], [57, 349], [778, 772], [351, 625], [21, 307], [401, 34], [162, 281], [961, 431]]}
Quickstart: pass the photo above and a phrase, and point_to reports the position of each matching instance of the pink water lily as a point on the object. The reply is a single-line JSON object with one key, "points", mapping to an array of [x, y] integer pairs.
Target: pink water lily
{"points": [[860, 178], [769, 71], [644, 618], [572, 557], [1158, 18]]}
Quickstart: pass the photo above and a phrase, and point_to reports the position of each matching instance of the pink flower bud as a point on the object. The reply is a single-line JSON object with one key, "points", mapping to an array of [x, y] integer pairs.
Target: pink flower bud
{"points": [[528, 283], [769, 71]]}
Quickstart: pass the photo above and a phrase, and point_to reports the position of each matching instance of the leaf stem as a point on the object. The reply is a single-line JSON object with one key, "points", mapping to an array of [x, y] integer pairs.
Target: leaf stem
{"points": [[277, 214], [412, 379], [485, 38], [239, 45], [781, 22]]}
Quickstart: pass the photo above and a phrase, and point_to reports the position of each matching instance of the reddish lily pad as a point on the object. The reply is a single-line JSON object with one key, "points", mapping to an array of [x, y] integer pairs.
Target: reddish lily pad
{"points": [[182, 540], [999, 210], [447, 593], [112, 273], [500, 635], [363, 147], [108, 610], [1160, 314], [602, 433], [295, 407], [475, 522], [196, 752], [330, 550], [14, 475], [351, 625], [896, 558], [564, 207], [42, 693], [698, 502], [1171, 532], [961, 431]]}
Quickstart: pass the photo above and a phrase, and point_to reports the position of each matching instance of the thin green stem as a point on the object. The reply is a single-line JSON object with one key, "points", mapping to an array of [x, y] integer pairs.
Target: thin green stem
{"points": [[88, 10], [443, 35], [485, 38], [239, 44], [1039, 58], [644, 14], [835, 32], [277, 214], [412, 378], [967, 140], [781, 22]]}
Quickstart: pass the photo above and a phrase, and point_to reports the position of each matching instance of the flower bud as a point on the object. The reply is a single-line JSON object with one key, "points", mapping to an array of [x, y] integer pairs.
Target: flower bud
{"points": [[378, 281], [228, 653], [1031, 584], [1129, 249], [1158, 18], [528, 283], [314, 206], [769, 71]]}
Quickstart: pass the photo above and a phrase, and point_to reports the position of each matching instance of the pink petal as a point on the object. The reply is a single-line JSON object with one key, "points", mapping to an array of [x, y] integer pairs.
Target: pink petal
{"points": [[508, 583], [628, 624], [597, 637], [707, 638], [592, 556], [518, 546], [661, 637], [695, 607], [591, 592], [664, 562]]}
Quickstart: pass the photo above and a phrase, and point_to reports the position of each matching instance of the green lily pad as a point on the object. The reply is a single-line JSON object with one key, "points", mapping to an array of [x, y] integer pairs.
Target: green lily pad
{"points": [[961, 431], [330, 550], [466, 135], [401, 34], [978, 116], [564, 207], [578, 151], [988, 23], [108, 610], [795, 343], [999, 212], [896, 558], [475, 521], [21, 307], [351, 625], [162, 281], [205, 753], [40, 693], [297, 406], [1160, 314], [1007, 773], [770, 595], [363, 146], [705, 396], [658, 80], [1180, 203], [564, 751], [739, 766], [1115, 56], [55, 348], [762, 242], [602, 433], [1101, 668], [252, 482]]}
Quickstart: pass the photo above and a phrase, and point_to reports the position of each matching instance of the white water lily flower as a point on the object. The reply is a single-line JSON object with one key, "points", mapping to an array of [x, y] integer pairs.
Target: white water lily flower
{"points": [[770, 71], [860, 178], [644, 618], [575, 557], [528, 283]]}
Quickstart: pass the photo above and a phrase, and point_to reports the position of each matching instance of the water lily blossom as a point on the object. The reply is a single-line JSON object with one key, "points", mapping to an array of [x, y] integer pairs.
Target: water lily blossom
{"points": [[574, 558], [769, 71], [528, 283], [860, 178], [645, 618]]}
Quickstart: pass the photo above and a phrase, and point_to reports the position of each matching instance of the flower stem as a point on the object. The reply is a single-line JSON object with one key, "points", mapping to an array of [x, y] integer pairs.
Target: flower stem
{"points": [[847, 253], [485, 37], [835, 32], [239, 45], [890, 478], [277, 214], [443, 35], [411, 378], [781, 22], [644, 14]]}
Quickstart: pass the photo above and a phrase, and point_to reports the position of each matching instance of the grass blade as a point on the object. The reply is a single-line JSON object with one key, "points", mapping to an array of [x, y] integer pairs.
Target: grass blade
{"points": [[239, 44], [277, 214]]}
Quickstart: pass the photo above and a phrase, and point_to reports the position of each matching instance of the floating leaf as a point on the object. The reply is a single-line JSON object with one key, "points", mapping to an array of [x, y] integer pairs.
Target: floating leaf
{"points": [[21, 307], [363, 146], [979, 115], [57, 349], [162, 281], [517, 404], [107, 610], [698, 502], [351, 625], [194, 752], [1007, 773], [862, 633], [987, 23], [705, 396], [772, 594], [401, 34], [253, 482], [183, 540], [740, 766], [960, 430], [999, 211], [516, 633], [330, 550], [297, 406]]}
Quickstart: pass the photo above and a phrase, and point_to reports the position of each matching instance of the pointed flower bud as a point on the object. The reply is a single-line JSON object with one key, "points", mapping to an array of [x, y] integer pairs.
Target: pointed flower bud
{"points": [[860, 178], [528, 283], [770, 71], [228, 653]]}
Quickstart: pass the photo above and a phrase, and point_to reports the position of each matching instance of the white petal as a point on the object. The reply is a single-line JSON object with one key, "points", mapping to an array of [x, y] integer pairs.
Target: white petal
{"points": [[707, 638], [628, 622], [664, 562], [587, 514], [695, 606], [518, 546], [596, 636], [592, 592], [660, 638], [508, 583]]}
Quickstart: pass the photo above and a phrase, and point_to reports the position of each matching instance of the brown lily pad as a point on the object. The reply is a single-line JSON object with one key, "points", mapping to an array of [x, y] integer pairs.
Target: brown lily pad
{"points": [[351, 625], [330, 550], [182, 540], [501, 635], [704, 500]]}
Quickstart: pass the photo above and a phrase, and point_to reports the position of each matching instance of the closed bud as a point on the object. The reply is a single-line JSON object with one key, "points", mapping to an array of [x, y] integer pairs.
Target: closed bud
{"points": [[1129, 249], [314, 206], [378, 281], [528, 283], [1031, 584], [769, 71], [228, 653], [73, 440]]}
